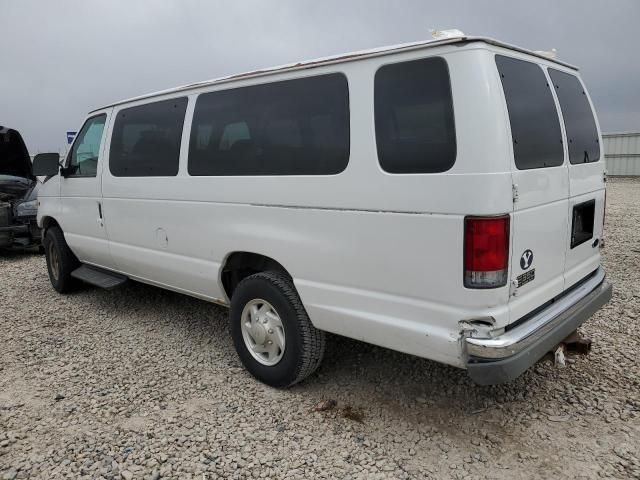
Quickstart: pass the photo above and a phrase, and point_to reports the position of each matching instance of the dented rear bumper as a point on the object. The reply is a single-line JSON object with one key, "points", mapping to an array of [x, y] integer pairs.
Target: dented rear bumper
{"points": [[501, 359]]}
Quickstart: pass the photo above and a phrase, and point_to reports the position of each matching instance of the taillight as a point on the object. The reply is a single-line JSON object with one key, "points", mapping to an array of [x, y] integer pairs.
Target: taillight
{"points": [[486, 251]]}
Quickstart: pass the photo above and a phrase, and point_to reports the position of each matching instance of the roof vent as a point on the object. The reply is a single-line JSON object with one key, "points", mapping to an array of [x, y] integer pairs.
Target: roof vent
{"points": [[553, 53], [444, 34]]}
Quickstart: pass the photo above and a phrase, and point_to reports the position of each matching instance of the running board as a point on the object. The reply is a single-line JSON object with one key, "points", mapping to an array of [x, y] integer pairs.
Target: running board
{"points": [[99, 277]]}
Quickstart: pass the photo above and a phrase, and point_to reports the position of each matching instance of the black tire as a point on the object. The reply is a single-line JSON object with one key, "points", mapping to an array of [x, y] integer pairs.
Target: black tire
{"points": [[305, 344], [60, 261]]}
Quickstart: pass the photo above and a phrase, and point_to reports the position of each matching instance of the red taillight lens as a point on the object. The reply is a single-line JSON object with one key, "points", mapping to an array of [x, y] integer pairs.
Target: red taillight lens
{"points": [[486, 251]]}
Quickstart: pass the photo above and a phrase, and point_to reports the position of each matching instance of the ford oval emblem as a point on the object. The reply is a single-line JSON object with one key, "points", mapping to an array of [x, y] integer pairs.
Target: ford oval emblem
{"points": [[526, 259]]}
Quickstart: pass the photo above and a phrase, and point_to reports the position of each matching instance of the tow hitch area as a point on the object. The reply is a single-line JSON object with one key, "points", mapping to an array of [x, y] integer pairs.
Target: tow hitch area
{"points": [[575, 344], [502, 358]]}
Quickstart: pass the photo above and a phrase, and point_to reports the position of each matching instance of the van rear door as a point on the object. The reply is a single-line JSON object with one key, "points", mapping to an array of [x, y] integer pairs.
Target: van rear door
{"points": [[586, 177], [541, 186]]}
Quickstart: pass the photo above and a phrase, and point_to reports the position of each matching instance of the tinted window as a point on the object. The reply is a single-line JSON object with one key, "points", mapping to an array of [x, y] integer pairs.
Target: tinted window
{"points": [[579, 121], [415, 131], [146, 139], [535, 127], [83, 158], [295, 127]]}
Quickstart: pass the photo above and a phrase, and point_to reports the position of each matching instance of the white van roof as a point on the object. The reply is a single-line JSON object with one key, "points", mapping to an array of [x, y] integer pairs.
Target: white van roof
{"points": [[341, 58]]}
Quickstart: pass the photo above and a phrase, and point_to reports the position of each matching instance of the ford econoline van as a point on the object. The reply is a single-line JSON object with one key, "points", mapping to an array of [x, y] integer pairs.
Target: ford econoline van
{"points": [[443, 199]]}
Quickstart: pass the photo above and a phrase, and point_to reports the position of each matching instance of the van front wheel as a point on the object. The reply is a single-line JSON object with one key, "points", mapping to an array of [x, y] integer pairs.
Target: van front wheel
{"points": [[271, 330], [60, 260]]}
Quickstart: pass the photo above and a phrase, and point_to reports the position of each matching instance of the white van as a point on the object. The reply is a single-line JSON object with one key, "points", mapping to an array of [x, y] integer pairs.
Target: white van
{"points": [[444, 199]]}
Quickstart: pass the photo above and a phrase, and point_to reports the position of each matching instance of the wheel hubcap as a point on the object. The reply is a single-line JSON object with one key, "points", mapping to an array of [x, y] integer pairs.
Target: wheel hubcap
{"points": [[263, 332], [54, 261]]}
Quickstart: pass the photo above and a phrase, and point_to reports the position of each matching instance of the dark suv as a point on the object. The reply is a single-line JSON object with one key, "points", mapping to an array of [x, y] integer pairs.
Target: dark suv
{"points": [[18, 193]]}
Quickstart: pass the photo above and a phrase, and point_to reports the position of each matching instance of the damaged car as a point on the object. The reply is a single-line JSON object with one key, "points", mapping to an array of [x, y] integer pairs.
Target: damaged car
{"points": [[18, 193]]}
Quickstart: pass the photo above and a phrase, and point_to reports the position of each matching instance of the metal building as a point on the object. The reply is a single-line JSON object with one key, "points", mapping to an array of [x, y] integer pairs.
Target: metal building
{"points": [[622, 153]]}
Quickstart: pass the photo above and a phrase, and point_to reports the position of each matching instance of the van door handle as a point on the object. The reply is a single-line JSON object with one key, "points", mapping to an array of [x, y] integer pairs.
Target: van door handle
{"points": [[100, 220]]}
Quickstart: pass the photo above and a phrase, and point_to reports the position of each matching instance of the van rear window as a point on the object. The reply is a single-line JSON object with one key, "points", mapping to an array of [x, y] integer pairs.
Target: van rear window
{"points": [[146, 139], [535, 126], [415, 130], [579, 121], [292, 127]]}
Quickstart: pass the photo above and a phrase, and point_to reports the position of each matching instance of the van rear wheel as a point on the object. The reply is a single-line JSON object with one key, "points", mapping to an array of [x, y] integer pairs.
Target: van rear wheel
{"points": [[60, 260], [272, 333]]}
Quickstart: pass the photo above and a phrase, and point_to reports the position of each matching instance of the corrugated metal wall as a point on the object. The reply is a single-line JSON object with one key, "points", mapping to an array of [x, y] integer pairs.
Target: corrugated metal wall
{"points": [[622, 153]]}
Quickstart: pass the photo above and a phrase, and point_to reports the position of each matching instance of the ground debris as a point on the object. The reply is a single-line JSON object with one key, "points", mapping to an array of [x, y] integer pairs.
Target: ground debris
{"points": [[325, 405], [352, 413]]}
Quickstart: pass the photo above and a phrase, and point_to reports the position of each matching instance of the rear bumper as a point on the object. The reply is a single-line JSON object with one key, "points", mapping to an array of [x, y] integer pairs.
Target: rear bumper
{"points": [[501, 359]]}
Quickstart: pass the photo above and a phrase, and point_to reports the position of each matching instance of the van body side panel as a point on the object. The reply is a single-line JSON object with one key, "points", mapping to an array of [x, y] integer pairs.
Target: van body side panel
{"points": [[348, 266], [358, 272], [147, 243], [374, 256]]}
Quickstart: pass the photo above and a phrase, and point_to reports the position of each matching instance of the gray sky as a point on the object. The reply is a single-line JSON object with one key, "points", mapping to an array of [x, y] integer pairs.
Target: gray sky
{"points": [[61, 59]]}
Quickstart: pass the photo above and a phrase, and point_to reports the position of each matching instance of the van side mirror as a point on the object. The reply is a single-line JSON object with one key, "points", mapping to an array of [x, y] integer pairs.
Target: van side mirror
{"points": [[46, 164]]}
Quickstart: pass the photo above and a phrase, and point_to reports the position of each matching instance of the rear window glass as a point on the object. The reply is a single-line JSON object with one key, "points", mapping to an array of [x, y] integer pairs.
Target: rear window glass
{"points": [[415, 130], [293, 127], [535, 126], [579, 122], [146, 139]]}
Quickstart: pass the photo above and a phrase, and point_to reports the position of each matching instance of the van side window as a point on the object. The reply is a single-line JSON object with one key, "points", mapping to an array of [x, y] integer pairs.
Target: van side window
{"points": [[535, 125], [234, 132], [83, 158], [579, 121], [146, 139], [292, 127], [415, 130]]}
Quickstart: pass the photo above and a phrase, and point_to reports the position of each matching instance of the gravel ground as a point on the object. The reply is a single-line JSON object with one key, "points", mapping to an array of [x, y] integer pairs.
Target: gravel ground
{"points": [[143, 383]]}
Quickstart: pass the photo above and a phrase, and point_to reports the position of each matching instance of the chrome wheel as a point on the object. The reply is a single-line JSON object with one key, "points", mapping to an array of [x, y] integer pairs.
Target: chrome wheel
{"points": [[263, 332], [54, 261]]}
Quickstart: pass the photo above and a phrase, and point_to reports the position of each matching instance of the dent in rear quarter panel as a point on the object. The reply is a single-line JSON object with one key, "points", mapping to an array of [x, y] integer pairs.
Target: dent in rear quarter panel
{"points": [[387, 279]]}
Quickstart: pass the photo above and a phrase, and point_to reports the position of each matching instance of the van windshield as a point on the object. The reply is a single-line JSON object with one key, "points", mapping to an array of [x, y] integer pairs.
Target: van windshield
{"points": [[579, 122]]}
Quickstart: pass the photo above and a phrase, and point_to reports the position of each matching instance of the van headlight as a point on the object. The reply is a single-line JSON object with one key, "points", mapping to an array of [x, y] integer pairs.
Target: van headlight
{"points": [[26, 209]]}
